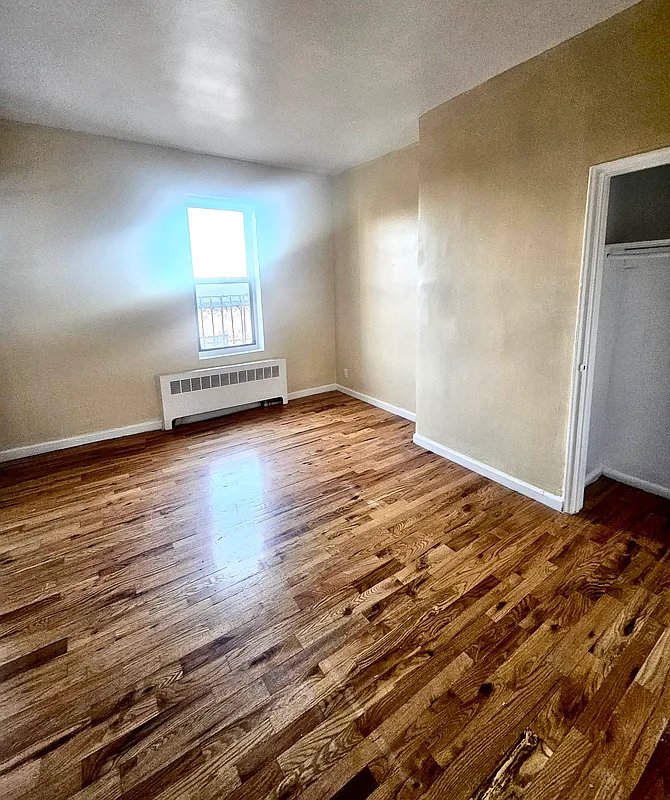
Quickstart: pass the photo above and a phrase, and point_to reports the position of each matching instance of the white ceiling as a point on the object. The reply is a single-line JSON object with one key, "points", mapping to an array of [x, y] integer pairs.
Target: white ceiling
{"points": [[317, 84]]}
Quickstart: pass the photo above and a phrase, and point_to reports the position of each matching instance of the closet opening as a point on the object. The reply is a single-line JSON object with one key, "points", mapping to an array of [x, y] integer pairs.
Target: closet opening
{"points": [[619, 423]]}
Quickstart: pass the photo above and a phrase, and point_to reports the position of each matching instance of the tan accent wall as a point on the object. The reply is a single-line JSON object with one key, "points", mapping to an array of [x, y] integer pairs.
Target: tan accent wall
{"points": [[95, 284], [375, 247], [503, 179]]}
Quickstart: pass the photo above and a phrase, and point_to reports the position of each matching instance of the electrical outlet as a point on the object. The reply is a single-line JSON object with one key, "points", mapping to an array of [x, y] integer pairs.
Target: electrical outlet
{"points": [[346, 373]]}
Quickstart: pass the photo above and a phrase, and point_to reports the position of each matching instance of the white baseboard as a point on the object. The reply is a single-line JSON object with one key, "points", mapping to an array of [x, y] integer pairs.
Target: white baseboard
{"points": [[129, 430], [637, 483], [552, 500], [592, 477], [329, 387], [74, 441], [373, 401]]}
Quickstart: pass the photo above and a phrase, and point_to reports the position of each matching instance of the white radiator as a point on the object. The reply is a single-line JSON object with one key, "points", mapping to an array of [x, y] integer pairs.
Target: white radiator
{"points": [[215, 388]]}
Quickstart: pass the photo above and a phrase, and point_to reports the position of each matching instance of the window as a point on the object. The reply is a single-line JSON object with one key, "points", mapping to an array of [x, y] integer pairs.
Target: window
{"points": [[225, 272]]}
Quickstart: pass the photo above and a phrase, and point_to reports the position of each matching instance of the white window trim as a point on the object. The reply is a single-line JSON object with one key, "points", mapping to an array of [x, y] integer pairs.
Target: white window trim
{"points": [[253, 275], [226, 352]]}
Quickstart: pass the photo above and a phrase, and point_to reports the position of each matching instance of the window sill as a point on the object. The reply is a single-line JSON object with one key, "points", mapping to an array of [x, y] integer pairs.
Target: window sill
{"points": [[228, 352]]}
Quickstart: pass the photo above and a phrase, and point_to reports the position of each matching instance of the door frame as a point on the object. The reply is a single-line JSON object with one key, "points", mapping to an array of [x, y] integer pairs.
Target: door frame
{"points": [[590, 286]]}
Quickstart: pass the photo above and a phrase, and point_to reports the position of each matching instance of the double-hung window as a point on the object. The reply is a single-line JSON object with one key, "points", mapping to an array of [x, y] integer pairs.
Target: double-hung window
{"points": [[225, 272]]}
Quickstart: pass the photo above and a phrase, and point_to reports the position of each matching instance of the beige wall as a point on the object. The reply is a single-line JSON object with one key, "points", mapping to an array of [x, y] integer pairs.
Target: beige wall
{"points": [[375, 248], [503, 178], [95, 289]]}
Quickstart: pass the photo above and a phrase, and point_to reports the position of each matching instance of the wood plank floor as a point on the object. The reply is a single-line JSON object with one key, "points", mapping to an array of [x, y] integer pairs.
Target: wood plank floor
{"points": [[299, 602]]}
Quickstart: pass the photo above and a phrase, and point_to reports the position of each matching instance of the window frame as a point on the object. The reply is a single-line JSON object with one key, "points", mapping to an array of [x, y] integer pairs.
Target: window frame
{"points": [[252, 279]]}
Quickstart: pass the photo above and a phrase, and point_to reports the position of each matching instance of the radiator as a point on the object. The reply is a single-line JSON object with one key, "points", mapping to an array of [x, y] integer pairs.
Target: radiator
{"points": [[215, 388]]}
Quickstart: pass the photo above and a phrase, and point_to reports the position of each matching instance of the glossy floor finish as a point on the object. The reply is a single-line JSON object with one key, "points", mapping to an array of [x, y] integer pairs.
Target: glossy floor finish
{"points": [[300, 602]]}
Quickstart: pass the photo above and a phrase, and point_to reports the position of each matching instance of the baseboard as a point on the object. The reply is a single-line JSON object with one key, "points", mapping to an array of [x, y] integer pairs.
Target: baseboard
{"points": [[552, 500], [373, 401], [115, 433], [75, 441], [636, 483], [329, 387], [592, 477]]}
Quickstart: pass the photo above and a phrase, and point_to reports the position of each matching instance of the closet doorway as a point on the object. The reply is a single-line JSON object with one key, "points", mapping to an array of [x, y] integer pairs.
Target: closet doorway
{"points": [[619, 422]]}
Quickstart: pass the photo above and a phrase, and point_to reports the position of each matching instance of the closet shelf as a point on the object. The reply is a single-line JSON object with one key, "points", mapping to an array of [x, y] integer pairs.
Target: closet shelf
{"points": [[653, 249]]}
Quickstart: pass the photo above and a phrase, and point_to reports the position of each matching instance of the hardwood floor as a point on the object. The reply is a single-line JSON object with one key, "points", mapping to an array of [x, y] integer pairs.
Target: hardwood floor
{"points": [[300, 602]]}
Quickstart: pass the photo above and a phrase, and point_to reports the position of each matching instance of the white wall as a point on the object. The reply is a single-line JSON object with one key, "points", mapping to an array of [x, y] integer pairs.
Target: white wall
{"points": [[607, 329], [630, 429]]}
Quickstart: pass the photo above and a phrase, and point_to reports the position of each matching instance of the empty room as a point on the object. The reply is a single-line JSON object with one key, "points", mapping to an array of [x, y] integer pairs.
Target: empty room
{"points": [[334, 400]]}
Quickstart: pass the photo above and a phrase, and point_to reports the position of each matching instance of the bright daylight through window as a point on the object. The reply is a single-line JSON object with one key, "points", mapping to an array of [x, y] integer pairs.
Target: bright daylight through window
{"points": [[227, 297]]}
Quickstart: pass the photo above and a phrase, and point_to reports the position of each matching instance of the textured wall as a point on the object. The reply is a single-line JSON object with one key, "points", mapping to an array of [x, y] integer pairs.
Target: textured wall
{"points": [[95, 283], [375, 247], [503, 179]]}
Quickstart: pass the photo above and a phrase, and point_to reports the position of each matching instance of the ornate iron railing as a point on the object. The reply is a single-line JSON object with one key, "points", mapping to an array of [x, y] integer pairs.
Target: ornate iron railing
{"points": [[224, 321]]}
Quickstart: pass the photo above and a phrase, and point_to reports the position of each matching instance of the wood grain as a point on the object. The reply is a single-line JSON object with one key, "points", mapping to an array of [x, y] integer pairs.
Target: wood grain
{"points": [[299, 602]]}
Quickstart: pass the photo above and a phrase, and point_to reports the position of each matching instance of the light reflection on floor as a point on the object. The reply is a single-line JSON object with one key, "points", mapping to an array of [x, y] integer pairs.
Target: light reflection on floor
{"points": [[235, 521]]}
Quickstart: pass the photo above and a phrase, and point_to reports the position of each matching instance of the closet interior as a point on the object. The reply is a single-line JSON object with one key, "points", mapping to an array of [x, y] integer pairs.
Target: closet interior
{"points": [[629, 434]]}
